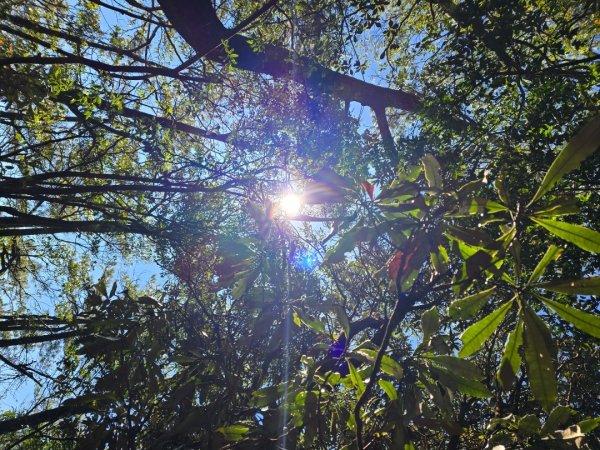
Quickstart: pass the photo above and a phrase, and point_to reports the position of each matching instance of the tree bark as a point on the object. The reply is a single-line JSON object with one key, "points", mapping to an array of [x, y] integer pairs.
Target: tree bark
{"points": [[197, 22]]}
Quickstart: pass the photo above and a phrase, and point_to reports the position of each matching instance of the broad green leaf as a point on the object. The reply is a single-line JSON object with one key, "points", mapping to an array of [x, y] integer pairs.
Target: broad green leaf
{"points": [[430, 322], [479, 205], [581, 236], [388, 365], [556, 419], [538, 356], [501, 190], [529, 424], [342, 317], [588, 425], [511, 358], [583, 286], [588, 323], [561, 207], [582, 145], [356, 379], [299, 317], [457, 383], [458, 366], [388, 388], [468, 306], [474, 336], [233, 432], [439, 259], [552, 254], [344, 245], [432, 171]]}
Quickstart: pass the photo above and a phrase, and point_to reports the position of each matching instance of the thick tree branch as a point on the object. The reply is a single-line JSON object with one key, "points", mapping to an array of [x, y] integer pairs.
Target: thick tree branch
{"points": [[199, 25], [50, 415], [386, 136]]}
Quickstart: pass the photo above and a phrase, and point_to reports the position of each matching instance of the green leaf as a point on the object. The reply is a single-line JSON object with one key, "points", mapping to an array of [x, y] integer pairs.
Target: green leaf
{"points": [[556, 419], [388, 388], [344, 245], [457, 383], [430, 322], [552, 254], [356, 379], [432, 171], [439, 259], [478, 205], [388, 365], [588, 425], [560, 207], [233, 432], [582, 145], [511, 358], [474, 336], [470, 305], [583, 286], [586, 322], [342, 317], [538, 356], [529, 424], [581, 236], [458, 366], [299, 317]]}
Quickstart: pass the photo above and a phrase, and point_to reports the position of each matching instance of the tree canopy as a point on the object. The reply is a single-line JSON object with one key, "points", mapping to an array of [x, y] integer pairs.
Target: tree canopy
{"points": [[375, 224]]}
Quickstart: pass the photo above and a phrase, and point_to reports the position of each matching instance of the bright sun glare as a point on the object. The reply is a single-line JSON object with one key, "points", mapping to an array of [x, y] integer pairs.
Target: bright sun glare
{"points": [[291, 204]]}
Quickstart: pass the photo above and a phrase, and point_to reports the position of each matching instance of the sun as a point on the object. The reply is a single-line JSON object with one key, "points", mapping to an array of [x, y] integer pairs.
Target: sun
{"points": [[291, 204]]}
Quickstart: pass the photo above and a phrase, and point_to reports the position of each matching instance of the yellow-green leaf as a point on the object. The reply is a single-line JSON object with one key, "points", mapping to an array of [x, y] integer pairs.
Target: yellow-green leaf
{"points": [[470, 305], [233, 432], [511, 358], [474, 336], [588, 323], [582, 145], [388, 365], [581, 236], [388, 389], [552, 254], [356, 379], [432, 171], [430, 322]]}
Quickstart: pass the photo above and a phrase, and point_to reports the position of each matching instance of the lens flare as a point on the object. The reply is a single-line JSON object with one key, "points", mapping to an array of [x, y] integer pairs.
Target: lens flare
{"points": [[291, 204]]}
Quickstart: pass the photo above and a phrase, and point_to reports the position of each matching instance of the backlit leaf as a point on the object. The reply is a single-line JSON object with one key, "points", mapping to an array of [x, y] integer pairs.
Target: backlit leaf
{"points": [[432, 171], [356, 379], [581, 236], [588, 323], [582, 145], [474, 336], [388, 388], [511, 358], [552, 254], [468, 306]]}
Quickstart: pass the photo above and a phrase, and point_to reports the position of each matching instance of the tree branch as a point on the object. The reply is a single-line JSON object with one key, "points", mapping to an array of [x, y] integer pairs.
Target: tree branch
{"points": [[199, 25]]}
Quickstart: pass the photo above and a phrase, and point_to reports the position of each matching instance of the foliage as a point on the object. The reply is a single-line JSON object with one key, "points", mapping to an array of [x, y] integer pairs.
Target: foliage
{"points": [[439, 288]]}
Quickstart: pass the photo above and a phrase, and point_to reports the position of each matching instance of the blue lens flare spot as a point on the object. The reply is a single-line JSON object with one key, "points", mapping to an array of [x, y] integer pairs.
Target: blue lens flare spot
{"points": [[305, 260]]}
